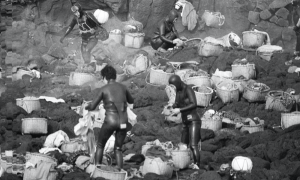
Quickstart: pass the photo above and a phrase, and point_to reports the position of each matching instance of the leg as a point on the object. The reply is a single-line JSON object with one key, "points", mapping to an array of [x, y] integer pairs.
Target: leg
{"points": [[104, 134], [298, 45], [195, 137], [86, 49], [166, 45], [120, 137], [185, 134]]}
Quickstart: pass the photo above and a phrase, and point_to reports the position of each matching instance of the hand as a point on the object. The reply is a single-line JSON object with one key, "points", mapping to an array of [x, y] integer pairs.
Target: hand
{"points": [[175, 111], [62, 39]]}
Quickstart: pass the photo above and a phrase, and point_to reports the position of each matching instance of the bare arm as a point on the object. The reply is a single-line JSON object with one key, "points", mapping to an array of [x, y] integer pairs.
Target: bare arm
{"points": [[92, 106], [162, 33], [70, 28], [129, 97]]}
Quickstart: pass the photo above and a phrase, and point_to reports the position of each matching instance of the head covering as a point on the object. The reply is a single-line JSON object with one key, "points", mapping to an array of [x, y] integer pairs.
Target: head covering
{"points": [[76, 7], [176, 81]]}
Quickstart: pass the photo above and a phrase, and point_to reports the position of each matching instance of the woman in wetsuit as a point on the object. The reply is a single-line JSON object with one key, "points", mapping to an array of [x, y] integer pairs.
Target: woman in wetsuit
{"points": [[88, 28], [186, 104], [166, 33], [115, 97]]}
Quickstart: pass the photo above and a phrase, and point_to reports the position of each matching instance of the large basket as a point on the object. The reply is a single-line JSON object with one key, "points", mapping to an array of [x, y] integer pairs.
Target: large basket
{"points": [[159, 168], [252, 129], [194, 42], [19, 74], [29, 104], [199, 81], [78, 78], [159, 77], [34, 126], [36, 157], [253, 39], [117, 37], [134, 40], [215, 79], [33, 175], [253, 95], [248, 71], [276, 102], [228, 96], [214, 125], [213, 19], [181, 158], [208, 49], [109, 174], [266, 51], [203, 99], [290, 119]]}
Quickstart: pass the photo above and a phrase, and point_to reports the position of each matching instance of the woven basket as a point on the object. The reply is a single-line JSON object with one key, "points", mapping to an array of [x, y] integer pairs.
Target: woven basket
{"points": [[241, 84], [157, 167], [109, 175], [199, 81], [215, 79], [207, 49], [32, 175], [36, 157], [73, 147], [19, 74], [290, 119], [159, 77], [248, 71], [203, 99], [211, 124], [29, 105], [134, 40], [275, 102], [252, 39], [117, 37], [266, 51], [228, 96], [181, 158], [252, 129], [253, 95], [34, 126], [78, 78]]}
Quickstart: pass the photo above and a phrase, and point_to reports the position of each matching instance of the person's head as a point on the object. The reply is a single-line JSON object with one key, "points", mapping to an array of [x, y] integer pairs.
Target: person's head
{"points": [[77, 10], [108, 73], [176, 81], [173, 16]]}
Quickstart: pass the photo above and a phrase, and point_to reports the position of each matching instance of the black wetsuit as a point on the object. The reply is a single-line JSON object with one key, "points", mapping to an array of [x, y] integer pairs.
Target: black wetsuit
{"points": [[186, 101], [115, 97], [164, 36]]}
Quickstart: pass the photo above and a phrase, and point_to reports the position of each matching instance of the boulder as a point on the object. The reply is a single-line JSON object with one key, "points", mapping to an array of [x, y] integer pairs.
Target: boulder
{"points": [[282, 22], [253, 17], [279, 3], [283, 13], [273, 19], [265, 14]]}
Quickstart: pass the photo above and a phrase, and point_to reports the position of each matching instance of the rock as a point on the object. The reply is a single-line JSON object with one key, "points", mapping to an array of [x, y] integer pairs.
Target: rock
{"points": [[11, 111], [274, 174], [279, 3], [288, 34], [282, 22], [150, 13], [253, 17], [273, 19], [207, 134], [205, 157], [287, 167], [283, 13], [265, 14], [275, 151], [225, 154], [260, 163], [208, 147]]}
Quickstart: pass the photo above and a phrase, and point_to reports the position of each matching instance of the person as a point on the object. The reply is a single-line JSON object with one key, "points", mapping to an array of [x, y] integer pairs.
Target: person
{"points": [[296, 19], [89, 29], [186, 104], [115, 97], [166, 33]]}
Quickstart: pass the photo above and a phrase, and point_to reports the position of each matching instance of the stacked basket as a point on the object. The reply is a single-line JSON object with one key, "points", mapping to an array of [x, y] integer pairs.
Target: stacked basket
{"points": [[203, 98], [34, 126], [159, 77]]}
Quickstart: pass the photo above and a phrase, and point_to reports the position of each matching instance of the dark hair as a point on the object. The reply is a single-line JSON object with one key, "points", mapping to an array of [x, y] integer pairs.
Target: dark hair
{"points": [[109, 72]]}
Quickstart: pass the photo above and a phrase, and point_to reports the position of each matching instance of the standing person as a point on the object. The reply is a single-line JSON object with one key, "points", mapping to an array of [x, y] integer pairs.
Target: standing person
{"points": [[89, 29], [115, 97], [296, 19], [166, 33], [186, 104]]}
